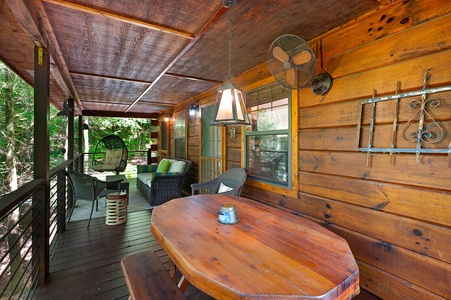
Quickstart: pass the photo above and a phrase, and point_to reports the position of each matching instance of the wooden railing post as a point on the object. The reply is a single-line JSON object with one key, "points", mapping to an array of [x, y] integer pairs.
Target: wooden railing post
{"points": [[149, 156], [151, 159]]}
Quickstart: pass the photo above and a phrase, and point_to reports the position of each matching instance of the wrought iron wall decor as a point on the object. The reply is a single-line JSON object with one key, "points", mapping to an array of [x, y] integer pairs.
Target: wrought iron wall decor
{"points": [[421, 129]]}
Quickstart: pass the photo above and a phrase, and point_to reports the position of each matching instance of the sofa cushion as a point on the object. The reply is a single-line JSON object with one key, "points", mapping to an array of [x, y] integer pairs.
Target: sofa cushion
{"points": [[166, 173], [146, 177], [104, 167], [177, 166], [146, 168], [163, 166], [113, 157]]}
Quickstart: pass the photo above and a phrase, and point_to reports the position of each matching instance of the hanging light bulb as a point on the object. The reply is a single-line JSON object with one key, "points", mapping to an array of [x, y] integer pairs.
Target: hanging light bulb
{"points": [[229, 106]]}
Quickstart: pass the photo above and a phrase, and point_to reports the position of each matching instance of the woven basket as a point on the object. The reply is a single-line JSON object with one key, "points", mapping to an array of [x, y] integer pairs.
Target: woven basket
{"points": [[116, 208]]}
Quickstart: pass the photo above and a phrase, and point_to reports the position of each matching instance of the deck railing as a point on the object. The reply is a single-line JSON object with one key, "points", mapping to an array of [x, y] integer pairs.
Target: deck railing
{"points": [[31, 222], [30, 229]]}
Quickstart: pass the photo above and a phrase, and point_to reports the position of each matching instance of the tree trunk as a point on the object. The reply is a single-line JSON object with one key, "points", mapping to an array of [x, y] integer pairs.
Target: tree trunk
{"points": [[11, 158], [11, 166]]}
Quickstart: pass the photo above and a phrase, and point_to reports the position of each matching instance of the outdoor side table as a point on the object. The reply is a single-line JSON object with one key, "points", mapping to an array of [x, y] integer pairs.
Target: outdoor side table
{"points": [[124, 185], [116, 208]]}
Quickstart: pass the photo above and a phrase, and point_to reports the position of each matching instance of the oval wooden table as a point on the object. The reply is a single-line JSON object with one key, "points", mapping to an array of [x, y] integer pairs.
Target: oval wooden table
{"points": [[268, 254]]}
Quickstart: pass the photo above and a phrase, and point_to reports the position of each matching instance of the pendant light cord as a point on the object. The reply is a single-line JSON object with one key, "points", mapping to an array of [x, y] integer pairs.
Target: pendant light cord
{"points": [[229, 76]]}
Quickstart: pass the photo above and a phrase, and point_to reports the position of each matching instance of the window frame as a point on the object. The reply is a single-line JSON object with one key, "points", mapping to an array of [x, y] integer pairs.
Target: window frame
{"points": [[180, 117], [164, 136], [248, 132], [210, 167]]}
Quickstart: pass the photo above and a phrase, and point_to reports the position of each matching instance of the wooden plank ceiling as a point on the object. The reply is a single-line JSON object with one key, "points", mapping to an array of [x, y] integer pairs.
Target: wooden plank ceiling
{"points": [[145, 56]]}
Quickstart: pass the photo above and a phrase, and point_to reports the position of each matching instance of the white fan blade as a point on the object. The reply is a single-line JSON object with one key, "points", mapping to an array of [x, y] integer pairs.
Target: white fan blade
{"points": [[291, 79], [280, 54], [302, 57]]}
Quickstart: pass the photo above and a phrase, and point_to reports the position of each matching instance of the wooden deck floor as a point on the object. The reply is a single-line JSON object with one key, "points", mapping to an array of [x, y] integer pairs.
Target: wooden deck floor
{"points": [[85, 263]]}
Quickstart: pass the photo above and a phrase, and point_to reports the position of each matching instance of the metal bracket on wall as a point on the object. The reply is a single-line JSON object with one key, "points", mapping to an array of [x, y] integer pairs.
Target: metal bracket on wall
{"points": [[421, 129]]}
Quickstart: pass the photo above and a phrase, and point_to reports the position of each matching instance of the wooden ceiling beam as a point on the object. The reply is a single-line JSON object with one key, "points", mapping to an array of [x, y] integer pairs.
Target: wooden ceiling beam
{"points": [[192, 78], [109, 77], [23, 16], [126, 104], [54, 48], [219, 12], [118, 114], [142, 81], [120, 18]]}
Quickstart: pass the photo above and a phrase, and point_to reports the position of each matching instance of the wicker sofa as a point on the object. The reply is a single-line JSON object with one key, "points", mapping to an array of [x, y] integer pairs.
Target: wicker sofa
{"points": [[161, 183]]}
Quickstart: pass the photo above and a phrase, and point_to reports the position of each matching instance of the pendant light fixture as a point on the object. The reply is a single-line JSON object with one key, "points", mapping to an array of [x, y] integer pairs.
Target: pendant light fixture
{"points": [[229, 106]]}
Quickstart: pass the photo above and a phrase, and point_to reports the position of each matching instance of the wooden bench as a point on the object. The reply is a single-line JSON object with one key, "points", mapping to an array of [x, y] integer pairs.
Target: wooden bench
{"points": [[147, 278]]}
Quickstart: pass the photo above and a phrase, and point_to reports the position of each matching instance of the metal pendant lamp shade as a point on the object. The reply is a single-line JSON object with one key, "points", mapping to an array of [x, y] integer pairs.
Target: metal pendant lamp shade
{"points": [[229, 106]]}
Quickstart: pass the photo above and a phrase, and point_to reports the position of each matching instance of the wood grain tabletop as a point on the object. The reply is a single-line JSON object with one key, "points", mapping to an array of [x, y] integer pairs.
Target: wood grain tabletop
{"points": [[269, 254]]}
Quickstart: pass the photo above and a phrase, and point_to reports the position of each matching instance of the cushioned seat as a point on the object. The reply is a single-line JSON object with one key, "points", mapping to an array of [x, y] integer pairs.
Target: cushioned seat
{"points": [[230, 183], [110, 154], [145, 177]]}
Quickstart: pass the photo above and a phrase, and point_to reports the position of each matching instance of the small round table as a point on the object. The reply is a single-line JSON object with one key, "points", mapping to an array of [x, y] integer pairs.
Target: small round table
{"points": [[116, 208]]}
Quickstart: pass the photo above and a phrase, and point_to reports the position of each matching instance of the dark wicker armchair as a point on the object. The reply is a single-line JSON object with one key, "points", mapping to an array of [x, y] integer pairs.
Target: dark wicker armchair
{"points": [[233, 178]]}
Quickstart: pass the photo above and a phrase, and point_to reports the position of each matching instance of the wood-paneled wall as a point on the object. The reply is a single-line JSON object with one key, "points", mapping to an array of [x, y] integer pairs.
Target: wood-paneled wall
{"points": [[394, 212]]}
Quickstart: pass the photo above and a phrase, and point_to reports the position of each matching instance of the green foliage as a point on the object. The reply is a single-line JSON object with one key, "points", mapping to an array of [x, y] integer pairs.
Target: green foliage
{"points": [[16, 119], [134, 132]]}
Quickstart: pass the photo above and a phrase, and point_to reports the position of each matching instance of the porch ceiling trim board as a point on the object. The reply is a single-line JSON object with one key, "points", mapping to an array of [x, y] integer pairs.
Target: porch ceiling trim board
{"points": [[120, 18], [23, 15], [20, 10], [219, 12], [55, 51]]}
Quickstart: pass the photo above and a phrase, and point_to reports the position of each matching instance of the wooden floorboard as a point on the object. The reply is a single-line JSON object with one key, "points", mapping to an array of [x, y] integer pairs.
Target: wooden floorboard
{"points": [[85, 263]]}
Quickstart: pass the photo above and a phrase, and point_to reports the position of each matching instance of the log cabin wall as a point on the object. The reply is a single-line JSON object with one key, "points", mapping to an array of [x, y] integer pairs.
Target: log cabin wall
{"points": [[393, 211]]}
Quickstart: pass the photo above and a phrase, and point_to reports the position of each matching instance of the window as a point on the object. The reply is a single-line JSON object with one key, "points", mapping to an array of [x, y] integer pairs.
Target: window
{"points": [[164, 136], [180, 136], [210, 163], [268, 146]]}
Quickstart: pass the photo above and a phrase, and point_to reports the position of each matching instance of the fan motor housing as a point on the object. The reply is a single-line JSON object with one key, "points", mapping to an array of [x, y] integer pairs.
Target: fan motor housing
{"points": [[322, 84]]}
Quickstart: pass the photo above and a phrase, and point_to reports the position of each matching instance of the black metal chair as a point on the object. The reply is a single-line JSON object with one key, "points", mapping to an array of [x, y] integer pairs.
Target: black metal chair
{"points": [[88, 188], [233, 179]]}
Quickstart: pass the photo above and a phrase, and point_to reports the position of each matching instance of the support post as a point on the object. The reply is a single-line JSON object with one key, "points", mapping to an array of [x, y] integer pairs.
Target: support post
{"points": [[81, 160], [41, 199], [70, 131]]}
